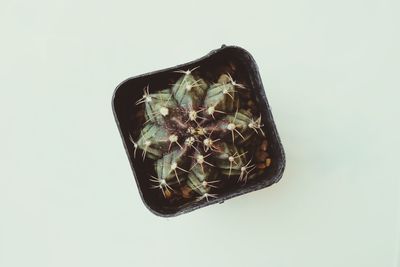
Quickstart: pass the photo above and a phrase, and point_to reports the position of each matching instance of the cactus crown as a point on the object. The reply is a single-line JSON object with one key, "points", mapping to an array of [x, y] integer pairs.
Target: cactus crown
{"points": [[199, 135]]}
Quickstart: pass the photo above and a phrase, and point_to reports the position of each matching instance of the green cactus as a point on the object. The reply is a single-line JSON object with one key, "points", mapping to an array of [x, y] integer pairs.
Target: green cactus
{"points": [[198, 134]]}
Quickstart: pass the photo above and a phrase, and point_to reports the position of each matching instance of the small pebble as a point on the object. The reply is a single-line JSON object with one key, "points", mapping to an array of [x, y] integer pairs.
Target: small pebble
{"points": [[261, 156], [264, 145], [186, 190], [261, 166], [250, 103], [167, 193]]}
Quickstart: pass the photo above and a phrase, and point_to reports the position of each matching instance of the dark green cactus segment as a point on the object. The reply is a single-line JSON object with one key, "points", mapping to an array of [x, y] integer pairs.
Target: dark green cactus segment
{"points": [[171, 167], [244, 115], [154, 141], [160, 106], [245, 119], [200, 178], [220, 97], [189, 92], [238, 126], [230, 159]]}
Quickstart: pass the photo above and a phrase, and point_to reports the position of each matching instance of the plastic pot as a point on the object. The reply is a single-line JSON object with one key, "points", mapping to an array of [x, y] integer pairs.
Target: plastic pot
{"points": [[125, 113]]}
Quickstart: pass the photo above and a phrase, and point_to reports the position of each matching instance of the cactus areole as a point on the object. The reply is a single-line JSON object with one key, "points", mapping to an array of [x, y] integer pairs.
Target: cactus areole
{"points": [[199, 133]]}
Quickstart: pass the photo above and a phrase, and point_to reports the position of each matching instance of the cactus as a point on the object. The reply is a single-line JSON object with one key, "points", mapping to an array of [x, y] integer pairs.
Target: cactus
{"points": [[198, 135]]}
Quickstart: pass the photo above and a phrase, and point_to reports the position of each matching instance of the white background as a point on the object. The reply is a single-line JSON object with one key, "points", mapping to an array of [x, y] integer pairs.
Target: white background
{"points": [[331, 71]]}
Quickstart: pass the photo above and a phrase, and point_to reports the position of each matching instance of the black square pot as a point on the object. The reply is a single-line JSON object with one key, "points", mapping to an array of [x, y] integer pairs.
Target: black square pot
{"points": [[125, 110]]}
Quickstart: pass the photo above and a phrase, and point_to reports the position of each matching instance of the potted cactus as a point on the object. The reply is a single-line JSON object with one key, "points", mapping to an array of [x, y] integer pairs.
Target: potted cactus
{"points": [[199, 133]]}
